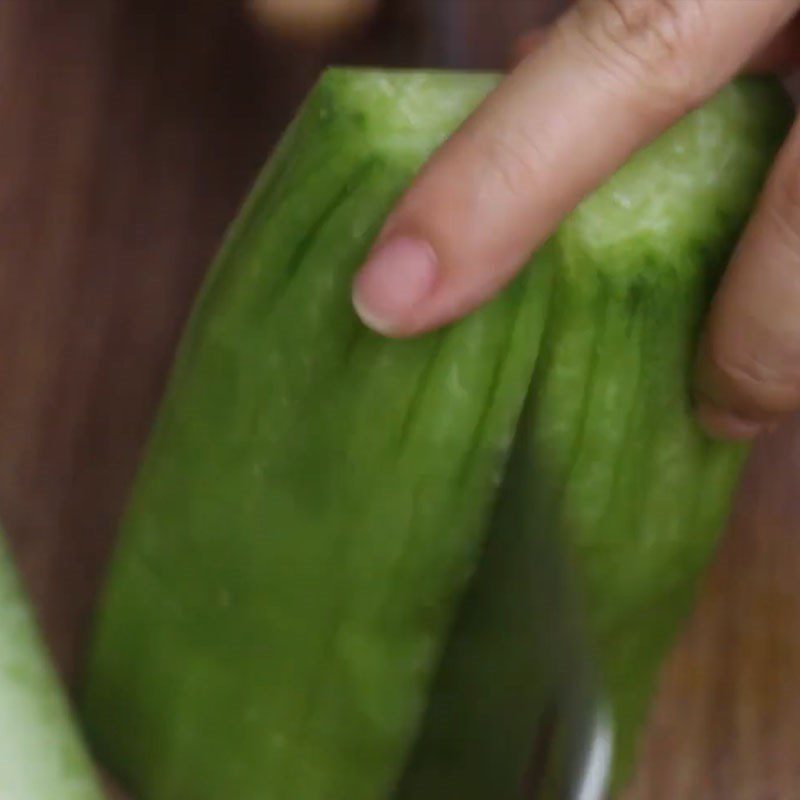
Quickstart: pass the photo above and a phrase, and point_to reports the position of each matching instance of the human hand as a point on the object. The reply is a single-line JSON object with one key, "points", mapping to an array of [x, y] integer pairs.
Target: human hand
{"points": [[311, 18], [501, 185]]}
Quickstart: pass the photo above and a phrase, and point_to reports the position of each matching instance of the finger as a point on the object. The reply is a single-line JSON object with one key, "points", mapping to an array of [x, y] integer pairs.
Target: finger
{"points": [[749, 364], [499, 187], [311, 18], [780, 56]]}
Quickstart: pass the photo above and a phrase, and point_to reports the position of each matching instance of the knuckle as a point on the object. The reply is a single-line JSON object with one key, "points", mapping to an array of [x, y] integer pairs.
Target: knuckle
{"points": [[767, 384], [653, 43]]}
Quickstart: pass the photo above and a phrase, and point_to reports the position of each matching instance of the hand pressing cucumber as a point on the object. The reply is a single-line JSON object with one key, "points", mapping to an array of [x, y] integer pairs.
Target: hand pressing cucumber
{"points": [[605, 80]]}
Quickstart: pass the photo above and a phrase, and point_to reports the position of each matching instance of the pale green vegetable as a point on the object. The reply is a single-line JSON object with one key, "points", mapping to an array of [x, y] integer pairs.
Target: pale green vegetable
{"points": [[41, 753]]}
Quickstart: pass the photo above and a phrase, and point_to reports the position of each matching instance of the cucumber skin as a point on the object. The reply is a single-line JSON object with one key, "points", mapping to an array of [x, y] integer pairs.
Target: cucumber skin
{"points": [[41, 754], [314, 604]]}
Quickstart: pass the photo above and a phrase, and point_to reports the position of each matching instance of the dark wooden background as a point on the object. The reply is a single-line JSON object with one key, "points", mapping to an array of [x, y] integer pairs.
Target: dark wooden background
{"points": [[129, 131]]}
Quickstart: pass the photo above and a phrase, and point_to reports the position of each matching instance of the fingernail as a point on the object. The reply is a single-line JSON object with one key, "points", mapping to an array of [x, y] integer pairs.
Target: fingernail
{"points": [[722, 424], [398, 276]]}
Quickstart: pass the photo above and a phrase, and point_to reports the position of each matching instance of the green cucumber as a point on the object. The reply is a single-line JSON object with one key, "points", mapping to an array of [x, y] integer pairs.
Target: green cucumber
{"points": [[41, 754], [328, 556], [612, 465]]}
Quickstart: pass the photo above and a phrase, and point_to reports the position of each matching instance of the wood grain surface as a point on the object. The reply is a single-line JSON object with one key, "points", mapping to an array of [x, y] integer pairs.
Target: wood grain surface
{"points": [[129, 131]]}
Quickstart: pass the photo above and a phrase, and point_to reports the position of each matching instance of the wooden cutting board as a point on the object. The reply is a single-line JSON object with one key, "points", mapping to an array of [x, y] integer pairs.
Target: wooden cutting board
{"points": [[129, 131]]}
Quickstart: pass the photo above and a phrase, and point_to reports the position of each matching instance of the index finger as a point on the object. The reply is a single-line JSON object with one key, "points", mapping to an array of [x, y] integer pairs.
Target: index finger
{"points": [[610, 76]]}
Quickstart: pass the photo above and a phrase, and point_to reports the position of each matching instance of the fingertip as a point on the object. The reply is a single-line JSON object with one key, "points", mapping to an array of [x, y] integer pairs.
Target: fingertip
{"points": [[398, 277]]}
